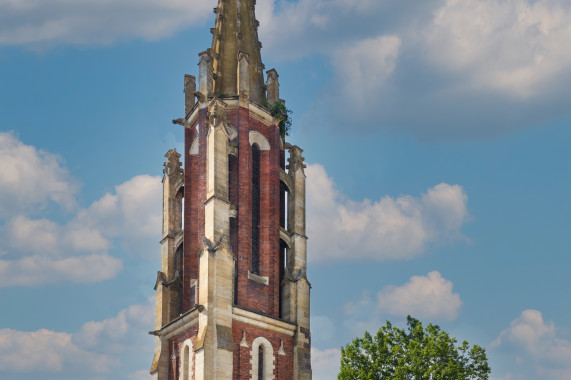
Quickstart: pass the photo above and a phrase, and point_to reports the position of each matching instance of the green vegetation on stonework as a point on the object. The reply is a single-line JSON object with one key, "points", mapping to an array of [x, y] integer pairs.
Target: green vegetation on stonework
{"points": [[414, 354], [280, 111]]}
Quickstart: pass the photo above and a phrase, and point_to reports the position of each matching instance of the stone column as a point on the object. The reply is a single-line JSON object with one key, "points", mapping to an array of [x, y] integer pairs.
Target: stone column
{"points": [[189, 90], [296, 291], [214, 356], [243, 74], [273, 86], [205, 76], [168, 278]]}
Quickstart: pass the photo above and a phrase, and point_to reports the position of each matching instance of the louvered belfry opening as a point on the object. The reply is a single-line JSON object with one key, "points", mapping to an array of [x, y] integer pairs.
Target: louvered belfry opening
{"points": [[255, 209], [260, 362]]}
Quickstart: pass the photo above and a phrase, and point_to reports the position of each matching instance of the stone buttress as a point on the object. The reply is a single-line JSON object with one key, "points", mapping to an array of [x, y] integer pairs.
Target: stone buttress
{"points": [[232, 295]]}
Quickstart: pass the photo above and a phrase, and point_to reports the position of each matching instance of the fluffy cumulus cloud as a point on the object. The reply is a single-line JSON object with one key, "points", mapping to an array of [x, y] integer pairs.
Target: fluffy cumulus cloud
{"points": [[132, 214], [117, 334], [524, 38], [47, 351], [367, 64], [31, 178], [39, 251], [43, 23], [428, 296], [385, 229], [93, 351], [39, 270], [325, 363], [140, 375], [538, 342], [440, 69]]}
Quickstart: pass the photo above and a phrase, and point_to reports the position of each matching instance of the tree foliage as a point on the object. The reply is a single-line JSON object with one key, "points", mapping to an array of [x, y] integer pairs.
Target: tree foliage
{"points": [[281, 112], [412, 354]]}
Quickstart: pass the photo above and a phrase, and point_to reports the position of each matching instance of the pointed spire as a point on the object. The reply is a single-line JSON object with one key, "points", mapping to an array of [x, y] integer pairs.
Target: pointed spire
{"points": [[236, 34]]}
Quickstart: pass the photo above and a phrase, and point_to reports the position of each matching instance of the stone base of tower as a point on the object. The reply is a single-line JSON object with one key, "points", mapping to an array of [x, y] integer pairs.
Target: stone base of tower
{"points": [[237, 350]]}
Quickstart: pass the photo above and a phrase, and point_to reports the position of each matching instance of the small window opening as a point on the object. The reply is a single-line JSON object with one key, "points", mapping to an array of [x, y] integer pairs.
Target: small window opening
{"points": [[260, 362]]}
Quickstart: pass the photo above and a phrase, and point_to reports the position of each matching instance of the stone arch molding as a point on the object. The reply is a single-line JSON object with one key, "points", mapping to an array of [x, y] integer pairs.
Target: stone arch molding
{"points": [[186, 361], [257, 138], [268, 359]]}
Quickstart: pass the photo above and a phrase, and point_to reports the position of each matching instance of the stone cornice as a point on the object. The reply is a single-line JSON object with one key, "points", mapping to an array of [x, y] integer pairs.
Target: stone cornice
{"points": [[263, 321]]}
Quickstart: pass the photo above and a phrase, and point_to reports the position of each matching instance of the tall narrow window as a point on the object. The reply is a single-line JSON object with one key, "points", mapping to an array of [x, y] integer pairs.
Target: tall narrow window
{"points": [[185, 363], [233, 198], [261, 362], [255, 209], [185, 369]]}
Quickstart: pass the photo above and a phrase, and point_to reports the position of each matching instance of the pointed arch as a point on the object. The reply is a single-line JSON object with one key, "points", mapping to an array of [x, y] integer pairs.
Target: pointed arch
{"points": [[266, 366], [186, 361], [257, 138]]}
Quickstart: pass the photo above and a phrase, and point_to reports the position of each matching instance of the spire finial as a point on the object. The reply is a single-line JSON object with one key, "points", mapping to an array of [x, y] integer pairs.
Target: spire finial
{"points": [[235, 32]]}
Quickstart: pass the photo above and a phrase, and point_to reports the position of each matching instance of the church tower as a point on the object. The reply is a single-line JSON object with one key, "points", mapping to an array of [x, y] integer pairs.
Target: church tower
{"points": [[232, 295]]}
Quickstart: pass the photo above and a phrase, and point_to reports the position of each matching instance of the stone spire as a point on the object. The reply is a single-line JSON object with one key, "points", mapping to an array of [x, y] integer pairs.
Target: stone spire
{"points": [[235, 35]]}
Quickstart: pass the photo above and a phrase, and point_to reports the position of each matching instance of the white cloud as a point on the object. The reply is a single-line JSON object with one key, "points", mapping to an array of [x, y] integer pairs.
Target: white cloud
{"points": [[41, 251], [140, 375], [119, 332], [513, 46], [325, 363], [44, 23], [30, 178], [47, 351], [132, 213], [390, 228], [96, 349], [435, 69], [428, 296], [538, 342], [38, 270], [365, 66]]}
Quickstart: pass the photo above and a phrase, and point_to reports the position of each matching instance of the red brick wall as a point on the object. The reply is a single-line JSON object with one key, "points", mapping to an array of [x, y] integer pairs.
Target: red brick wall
{"points": [[194, 197], [243, 355], [252, 295]]}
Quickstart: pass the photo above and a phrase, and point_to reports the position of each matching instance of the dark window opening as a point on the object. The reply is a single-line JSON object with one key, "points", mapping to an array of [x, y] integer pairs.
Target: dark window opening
{"points": [[233, 198], [283, 264], [255, 209], [260, 363], [175, 288], [179, 210]]}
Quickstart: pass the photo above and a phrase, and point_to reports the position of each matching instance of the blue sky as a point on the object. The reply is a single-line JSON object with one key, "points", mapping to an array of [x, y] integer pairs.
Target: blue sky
{"points": [[437, 141]]}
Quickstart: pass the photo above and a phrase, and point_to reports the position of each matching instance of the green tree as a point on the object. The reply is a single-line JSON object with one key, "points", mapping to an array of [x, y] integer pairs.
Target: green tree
{"points": [[412, 354]]}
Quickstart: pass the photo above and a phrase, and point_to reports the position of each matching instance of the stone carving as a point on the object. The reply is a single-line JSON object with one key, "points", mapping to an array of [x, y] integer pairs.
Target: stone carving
{"points": [[212, 248], [296, 160], [173, 166], [244, 342], [281, 350], [182, 122], [217, 119]]}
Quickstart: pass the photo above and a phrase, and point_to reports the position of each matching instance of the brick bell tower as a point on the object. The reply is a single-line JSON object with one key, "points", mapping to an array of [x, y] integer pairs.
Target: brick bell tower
{"points": [[232, 296]]}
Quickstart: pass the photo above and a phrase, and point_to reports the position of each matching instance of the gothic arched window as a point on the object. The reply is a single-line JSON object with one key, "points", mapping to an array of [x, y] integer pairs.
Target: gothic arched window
{"points": [[186, 361], [261, 362], [255, 209]]}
